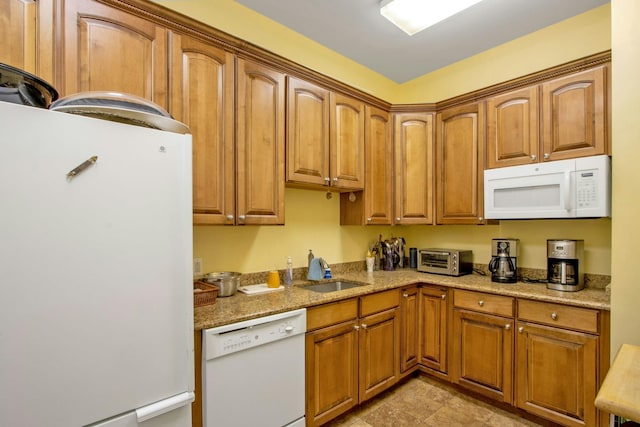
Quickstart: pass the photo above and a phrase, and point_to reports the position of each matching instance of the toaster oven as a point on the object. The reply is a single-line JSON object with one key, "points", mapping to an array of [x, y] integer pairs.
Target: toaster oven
{"points": [[450, 262]]}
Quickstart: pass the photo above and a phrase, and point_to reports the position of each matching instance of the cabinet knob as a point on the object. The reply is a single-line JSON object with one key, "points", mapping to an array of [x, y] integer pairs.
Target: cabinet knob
{"points": [[327, 180], [507, 326], [241, 217], [480, 219], [481, 303], [356, 327], [368, 219], [335, 180], [229, 217], [546, 156], [443, 296], [397, 219], [521, 329], [554, 316], [364, 326], [405, 295], [534, 157]]}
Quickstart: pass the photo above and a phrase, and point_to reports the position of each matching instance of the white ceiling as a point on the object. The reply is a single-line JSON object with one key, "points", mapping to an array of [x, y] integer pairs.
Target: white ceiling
{"points": [[355, 29]]}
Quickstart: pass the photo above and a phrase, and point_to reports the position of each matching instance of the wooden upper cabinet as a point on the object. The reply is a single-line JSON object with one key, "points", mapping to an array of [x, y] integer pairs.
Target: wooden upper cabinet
{"points": [[18, 34], [374, 205], [202, 84], [260, 133], [107, 49], [414, 165], [347, 133], [513, 128], [575, 115], [307, 133], [325, 137], [460, 165]]}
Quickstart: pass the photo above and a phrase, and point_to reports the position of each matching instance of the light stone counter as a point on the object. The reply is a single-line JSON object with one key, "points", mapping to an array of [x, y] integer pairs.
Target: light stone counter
{"points": [[243, 307]]}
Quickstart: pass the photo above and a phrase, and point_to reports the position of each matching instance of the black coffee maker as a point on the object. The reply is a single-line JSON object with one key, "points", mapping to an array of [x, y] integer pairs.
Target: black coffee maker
{"points": [[504, 260]]}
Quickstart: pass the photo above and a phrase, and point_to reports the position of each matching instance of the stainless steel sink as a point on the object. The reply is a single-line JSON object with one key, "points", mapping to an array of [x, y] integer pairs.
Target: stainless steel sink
{"points": [[338, 285]]}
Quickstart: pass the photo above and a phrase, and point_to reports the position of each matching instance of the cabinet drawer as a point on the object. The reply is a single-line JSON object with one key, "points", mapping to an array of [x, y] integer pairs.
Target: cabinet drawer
{"points": [[562, 316], [379, 302], [331, 314], [484, 303]]}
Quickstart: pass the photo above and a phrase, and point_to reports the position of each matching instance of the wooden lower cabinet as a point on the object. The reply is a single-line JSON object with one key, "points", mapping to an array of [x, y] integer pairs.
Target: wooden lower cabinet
{"points": [[352, 353], [433, 330], [483, 344], [409, 321], [560, 361]]}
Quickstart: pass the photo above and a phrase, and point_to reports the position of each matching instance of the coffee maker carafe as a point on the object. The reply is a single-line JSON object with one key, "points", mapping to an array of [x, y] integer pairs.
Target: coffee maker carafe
{"points": [[504, 260], [564, 260]]}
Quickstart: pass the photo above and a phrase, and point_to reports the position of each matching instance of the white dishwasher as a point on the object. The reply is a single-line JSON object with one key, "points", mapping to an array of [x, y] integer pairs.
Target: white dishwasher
{"points": [[253, 372]]}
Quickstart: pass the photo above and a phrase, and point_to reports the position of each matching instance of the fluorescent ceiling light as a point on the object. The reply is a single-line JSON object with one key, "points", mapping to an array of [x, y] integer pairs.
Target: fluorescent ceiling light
{"points": [[412, 16]]}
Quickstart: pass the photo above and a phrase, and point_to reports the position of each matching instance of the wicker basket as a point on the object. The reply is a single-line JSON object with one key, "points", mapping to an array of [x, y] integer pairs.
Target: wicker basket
{"points": [[204, 294]]}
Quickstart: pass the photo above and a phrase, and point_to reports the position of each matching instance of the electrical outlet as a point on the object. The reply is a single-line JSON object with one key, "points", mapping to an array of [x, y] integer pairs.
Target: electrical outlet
{"points": [[197, 266]]}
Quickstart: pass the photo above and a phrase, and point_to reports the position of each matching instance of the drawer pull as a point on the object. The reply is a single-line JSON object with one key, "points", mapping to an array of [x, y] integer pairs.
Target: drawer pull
{"points": [[521, 329], [481, 303], [507, 326], [554, 316]]}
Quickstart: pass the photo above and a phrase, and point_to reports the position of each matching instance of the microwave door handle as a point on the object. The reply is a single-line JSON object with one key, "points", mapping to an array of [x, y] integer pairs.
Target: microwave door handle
{"points": [[567, 190]]}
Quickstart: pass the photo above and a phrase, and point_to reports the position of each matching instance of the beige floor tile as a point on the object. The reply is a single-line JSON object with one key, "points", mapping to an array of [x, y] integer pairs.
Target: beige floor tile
{"points": [[424, 402]]}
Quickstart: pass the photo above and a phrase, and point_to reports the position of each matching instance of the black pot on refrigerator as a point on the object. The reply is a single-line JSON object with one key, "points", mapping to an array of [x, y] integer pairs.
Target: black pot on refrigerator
{"points": [[504, 260]]}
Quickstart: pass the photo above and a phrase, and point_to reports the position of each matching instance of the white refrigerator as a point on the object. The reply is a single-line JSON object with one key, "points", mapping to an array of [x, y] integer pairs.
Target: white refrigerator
{"points": [[96, 294]]}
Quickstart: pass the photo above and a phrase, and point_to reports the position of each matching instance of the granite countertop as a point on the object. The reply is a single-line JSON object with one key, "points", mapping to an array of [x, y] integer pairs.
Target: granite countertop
{"points": [[620, 391], [241, 307]]}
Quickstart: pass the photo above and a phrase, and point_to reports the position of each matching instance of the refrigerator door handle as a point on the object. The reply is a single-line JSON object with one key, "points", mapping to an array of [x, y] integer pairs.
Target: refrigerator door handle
{"points": [[165, 405]]}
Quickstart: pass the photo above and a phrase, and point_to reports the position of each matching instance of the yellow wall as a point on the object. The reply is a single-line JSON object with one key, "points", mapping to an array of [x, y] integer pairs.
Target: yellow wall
{"points": [[625, 286], [571, 39]]}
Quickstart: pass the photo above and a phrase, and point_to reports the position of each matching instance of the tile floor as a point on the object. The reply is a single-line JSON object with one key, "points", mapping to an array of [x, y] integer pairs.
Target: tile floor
{"points": [[422, 401]]}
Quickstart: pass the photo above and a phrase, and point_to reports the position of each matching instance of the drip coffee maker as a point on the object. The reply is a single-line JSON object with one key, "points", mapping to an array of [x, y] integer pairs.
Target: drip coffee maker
{"points": [[564, 260], [504, 260]]}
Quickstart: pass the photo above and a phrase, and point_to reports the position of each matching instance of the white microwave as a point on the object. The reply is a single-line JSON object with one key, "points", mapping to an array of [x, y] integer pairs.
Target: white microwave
{"points": [[574, 188]]}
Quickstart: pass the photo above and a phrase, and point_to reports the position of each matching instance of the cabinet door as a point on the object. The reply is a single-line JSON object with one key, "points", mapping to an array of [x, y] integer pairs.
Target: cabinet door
{"points": [[512, 128], [202, 97], [331, 372], [483, 354], [413, 141], [307, 133], [346, 145], [556, 375], [433, 328], [107, 49], [460, 165], [379, 352], [409, 308], [374, 205], [260, 144], [574, 115], [18, 34]]}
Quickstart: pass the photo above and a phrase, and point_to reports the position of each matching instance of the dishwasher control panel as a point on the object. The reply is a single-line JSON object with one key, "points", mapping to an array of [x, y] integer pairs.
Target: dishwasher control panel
{"points": [[240, 336]]}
